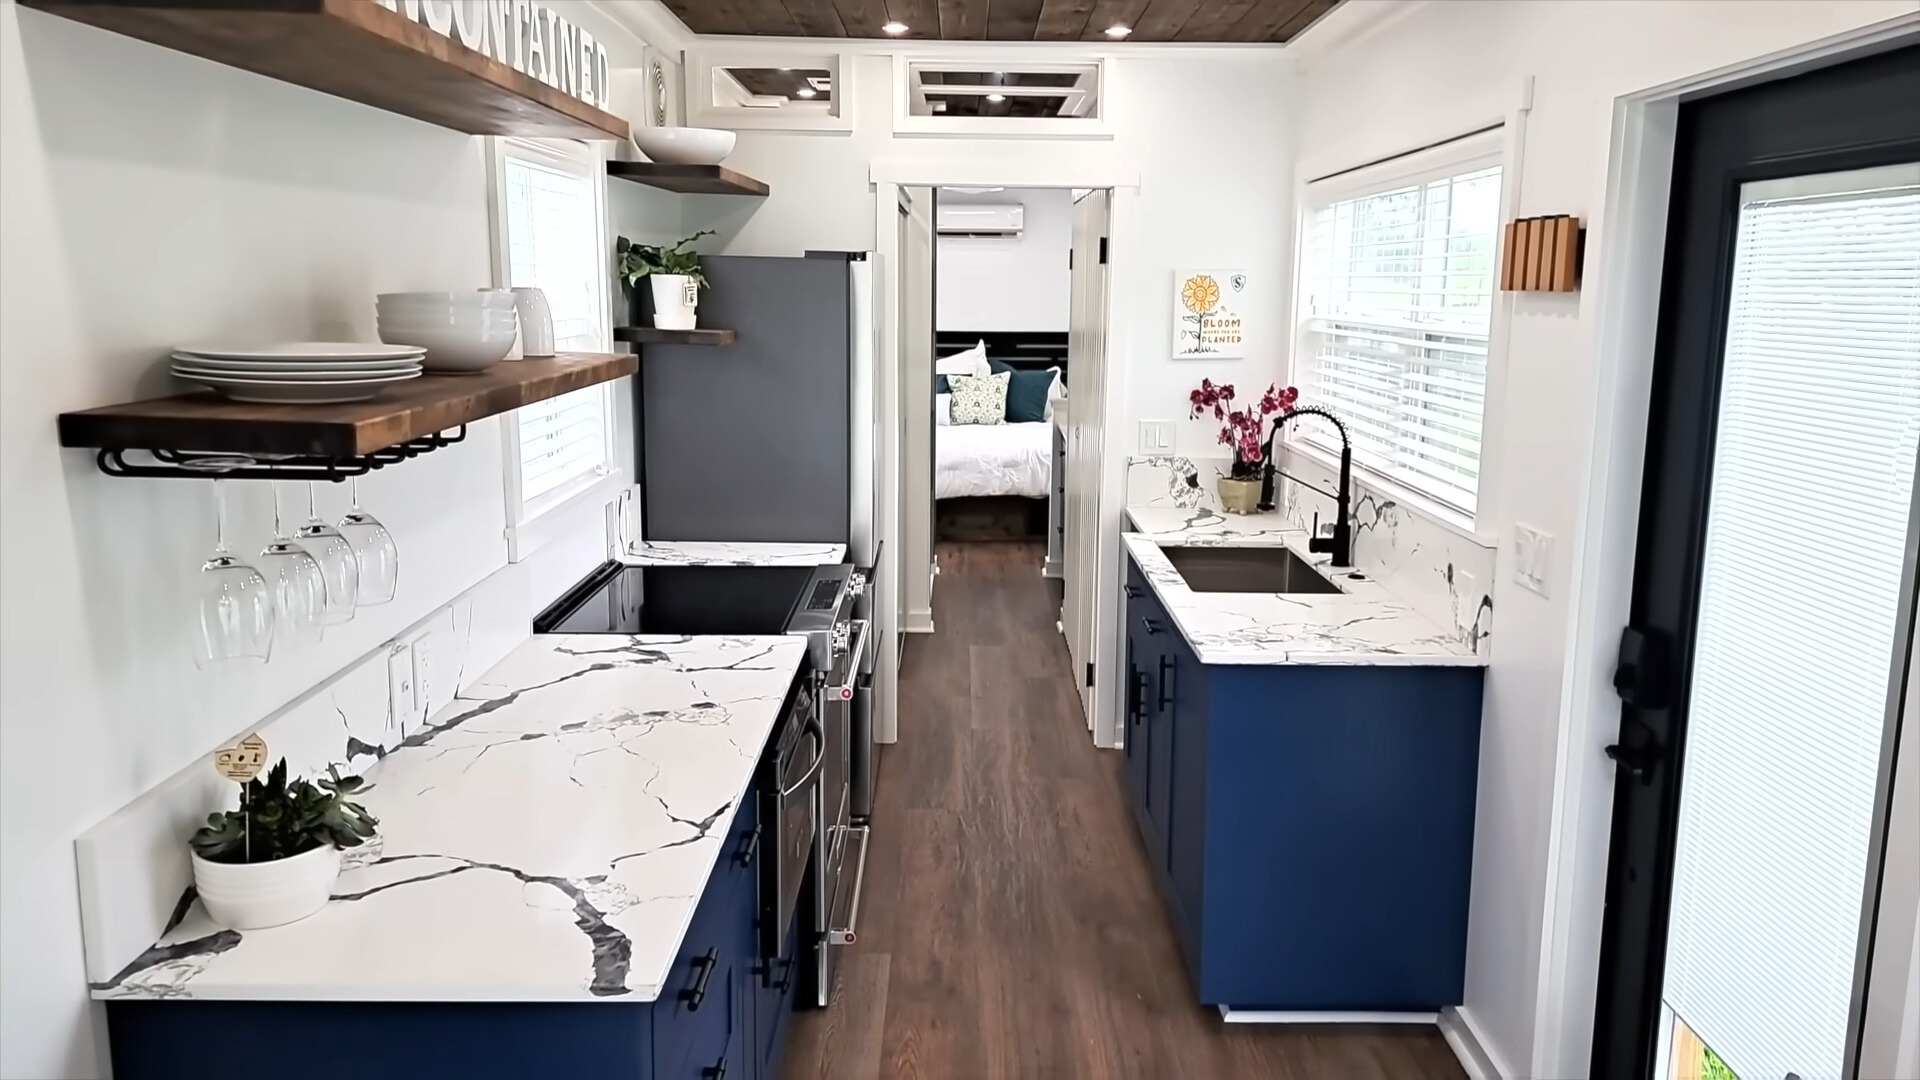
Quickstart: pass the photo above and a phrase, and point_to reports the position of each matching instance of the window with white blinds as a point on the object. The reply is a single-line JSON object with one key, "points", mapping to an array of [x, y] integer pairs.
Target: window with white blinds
{"points": [[1814, 458], [551, 212], [1397, 281]]}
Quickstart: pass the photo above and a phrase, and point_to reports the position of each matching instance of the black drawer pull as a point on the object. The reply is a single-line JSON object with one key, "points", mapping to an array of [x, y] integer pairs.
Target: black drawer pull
{"points": [[750, 850], [1166, 683], [697, 993], [715, 1071], [1154, 626], [786, 978], [1138, 699], [1132, 591]]}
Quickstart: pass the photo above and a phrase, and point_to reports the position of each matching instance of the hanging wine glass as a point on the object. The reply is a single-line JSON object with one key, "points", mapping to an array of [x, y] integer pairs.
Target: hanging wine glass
{"points": [[233, 610], [299, 588], [337, 565], [373, 549]]}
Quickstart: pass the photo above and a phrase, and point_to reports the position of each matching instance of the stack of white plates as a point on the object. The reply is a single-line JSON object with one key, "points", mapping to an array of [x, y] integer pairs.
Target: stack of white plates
{"points": [[302, 372]]}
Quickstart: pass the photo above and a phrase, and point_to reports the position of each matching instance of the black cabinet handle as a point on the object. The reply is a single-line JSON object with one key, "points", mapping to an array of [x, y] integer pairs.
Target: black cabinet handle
{"points": [[750, 850], [1137, 700], [1154, 626], [1132, 591], [715, 1071], [786, 974], [697, 993], [1166, 683]]}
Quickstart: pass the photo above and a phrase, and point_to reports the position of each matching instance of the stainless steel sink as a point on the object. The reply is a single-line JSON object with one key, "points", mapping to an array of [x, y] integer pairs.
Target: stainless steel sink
{"points": [[1246, 570]]}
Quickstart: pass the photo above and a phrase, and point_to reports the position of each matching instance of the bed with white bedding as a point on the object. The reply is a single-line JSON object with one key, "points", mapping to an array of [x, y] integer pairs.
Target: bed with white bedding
{"points": [[972, 460]]}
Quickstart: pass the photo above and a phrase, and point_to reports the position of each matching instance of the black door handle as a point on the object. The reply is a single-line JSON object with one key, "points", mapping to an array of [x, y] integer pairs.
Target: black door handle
{"points": [[750, 850], [715, 1071], [1166, 683], [1132, 591], [786, 974], [1635, 763], [1154, 626], [697, 993], [1641, 676]]}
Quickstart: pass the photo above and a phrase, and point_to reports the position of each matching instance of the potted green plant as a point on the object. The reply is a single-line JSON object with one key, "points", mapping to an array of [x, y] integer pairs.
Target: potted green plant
{"points": [[275, 859], [674, 273]]}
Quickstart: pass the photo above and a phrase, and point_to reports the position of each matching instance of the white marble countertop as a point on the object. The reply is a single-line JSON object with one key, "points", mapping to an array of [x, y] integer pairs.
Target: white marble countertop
{"points": [[715, 553], [1363, 624], [544, 838]]}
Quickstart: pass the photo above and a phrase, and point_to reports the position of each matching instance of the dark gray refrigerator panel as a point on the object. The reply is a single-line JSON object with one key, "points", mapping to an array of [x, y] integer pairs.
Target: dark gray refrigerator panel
{"points": [[750, 442]]}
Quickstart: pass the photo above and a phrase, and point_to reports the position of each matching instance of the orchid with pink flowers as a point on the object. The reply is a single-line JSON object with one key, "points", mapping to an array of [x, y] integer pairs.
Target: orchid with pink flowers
{"points": [[1243, 429]]}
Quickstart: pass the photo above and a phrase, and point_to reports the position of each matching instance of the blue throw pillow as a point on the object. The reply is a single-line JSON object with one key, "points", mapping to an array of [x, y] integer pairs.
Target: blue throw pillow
{"points": [[1027, 396], [940, 385], [999, 366]]}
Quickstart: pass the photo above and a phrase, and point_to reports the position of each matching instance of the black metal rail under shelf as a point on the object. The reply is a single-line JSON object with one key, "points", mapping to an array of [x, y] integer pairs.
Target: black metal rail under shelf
{"points": [[208, 465]]}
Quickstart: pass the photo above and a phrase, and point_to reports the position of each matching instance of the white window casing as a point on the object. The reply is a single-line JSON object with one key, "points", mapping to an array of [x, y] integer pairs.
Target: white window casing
{"points": [[1087, 111], [714, 98], [550, 232], [1398, 265]]}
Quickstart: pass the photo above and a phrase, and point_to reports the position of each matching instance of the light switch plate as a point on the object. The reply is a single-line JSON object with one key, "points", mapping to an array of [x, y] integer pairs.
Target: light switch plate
{"points": [[1156, 438], [1532, 556], [400, 699]]}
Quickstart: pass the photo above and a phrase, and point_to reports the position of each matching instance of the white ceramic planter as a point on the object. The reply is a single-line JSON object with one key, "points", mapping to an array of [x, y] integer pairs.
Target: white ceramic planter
{"points": [[251, 896], [674, 298]]}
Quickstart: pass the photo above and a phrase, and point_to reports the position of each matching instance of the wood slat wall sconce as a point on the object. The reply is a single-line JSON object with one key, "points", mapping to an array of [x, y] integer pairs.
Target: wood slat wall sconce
{"points": [[1542, 254]]}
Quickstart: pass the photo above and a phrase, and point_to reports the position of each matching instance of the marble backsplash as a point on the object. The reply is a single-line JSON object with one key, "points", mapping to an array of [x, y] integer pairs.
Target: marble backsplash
{"points": [[1444, 575]]}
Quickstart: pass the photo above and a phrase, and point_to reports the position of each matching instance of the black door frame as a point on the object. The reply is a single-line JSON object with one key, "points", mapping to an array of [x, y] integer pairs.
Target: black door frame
{"points": [[1801, 124]]}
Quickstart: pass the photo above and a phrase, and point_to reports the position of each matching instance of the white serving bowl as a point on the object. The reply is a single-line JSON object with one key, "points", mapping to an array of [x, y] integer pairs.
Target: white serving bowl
{"points": [[480, 321], [492, 299], [453, 350], [684, 145]]}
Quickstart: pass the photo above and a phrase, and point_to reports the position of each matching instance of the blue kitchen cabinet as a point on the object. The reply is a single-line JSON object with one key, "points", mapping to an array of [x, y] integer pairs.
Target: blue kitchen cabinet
{"points": [[1310, 827], [718, 1017]]}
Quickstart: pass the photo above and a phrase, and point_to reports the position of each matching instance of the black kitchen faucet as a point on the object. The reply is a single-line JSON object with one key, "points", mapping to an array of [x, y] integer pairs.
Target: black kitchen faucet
{"points": [[1340, 542]]}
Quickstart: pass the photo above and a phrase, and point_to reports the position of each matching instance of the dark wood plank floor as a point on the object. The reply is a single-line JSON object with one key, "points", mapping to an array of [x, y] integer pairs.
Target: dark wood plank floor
{"points": [[1009, 926]]}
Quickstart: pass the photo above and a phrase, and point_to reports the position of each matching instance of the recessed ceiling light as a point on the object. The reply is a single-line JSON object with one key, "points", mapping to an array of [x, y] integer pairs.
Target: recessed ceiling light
{"points": [[895, 28], [1119, 30], [996, 97], [805, 91]]}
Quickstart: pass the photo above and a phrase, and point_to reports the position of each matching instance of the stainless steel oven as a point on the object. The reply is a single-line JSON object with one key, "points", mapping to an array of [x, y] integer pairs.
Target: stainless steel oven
{"points": [[789, 816]]}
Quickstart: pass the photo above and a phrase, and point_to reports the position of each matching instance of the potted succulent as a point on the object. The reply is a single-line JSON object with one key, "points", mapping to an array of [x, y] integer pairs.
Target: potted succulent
{"points": [[1243, 429], [275, 859], [675, 278]]}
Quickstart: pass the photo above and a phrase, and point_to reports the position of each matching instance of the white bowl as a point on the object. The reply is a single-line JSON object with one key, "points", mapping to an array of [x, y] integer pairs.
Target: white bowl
{"points": [[453, 350], [684, 145], [472, 321], [493, 299]]}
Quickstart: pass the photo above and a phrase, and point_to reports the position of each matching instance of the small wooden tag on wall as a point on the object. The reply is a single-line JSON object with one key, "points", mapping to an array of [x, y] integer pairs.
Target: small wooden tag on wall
{"points": [[1542, 254], [243, 761]]}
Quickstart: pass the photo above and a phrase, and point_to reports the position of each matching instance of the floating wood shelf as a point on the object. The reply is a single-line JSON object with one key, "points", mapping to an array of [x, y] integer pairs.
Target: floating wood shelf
{"points": [[405, 420], [647, 335], [357, 50], [688, 179]]}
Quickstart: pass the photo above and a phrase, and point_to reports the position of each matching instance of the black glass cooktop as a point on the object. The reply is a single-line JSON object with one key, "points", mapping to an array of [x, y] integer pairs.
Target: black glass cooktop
{"points": [[618, 599]]}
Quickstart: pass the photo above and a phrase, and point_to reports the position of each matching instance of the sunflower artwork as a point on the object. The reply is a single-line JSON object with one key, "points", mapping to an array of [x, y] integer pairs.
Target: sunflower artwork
{"points": [[1207, 314]]}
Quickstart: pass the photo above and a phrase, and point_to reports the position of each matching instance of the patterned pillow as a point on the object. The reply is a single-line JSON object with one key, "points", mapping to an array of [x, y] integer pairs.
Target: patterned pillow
{"points": [[979, 399]]}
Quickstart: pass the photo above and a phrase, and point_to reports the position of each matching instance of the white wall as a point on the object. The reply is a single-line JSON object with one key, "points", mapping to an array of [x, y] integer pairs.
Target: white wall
{"points": [[1009, 282], [1394, 80], [149, 198]]}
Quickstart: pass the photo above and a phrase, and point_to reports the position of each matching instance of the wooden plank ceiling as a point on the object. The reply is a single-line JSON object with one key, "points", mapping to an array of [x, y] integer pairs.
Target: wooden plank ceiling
{"points": [[1250, 21]]}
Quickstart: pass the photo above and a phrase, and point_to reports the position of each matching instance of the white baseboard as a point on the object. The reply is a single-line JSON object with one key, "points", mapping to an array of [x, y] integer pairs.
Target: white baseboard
{"points": [[1464, 1038], [1053, 568], [917, 621]]}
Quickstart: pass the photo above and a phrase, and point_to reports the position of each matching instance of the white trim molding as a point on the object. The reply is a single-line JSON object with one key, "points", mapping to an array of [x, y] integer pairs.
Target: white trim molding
{"points": [[705, 62], [1091, 111], [1463, 1038]]}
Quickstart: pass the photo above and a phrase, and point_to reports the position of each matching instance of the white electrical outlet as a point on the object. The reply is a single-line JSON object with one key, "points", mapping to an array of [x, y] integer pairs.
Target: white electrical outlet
{"points": [[400, 696], [1532, 557], [424, 646], [1156, 438]]}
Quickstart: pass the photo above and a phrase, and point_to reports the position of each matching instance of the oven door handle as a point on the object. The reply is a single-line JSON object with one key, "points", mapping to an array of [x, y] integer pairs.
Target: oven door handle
{"points": [[819, 735], [856, 662]]}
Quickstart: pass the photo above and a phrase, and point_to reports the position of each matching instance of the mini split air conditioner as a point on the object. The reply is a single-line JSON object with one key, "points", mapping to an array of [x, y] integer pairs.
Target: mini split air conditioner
{"points": [[962, 219]]}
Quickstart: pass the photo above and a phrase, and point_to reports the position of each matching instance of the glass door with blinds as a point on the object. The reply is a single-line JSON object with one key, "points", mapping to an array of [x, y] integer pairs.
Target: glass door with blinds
{"points": [[551, 214], [1774, 594], [1397, 284]]}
